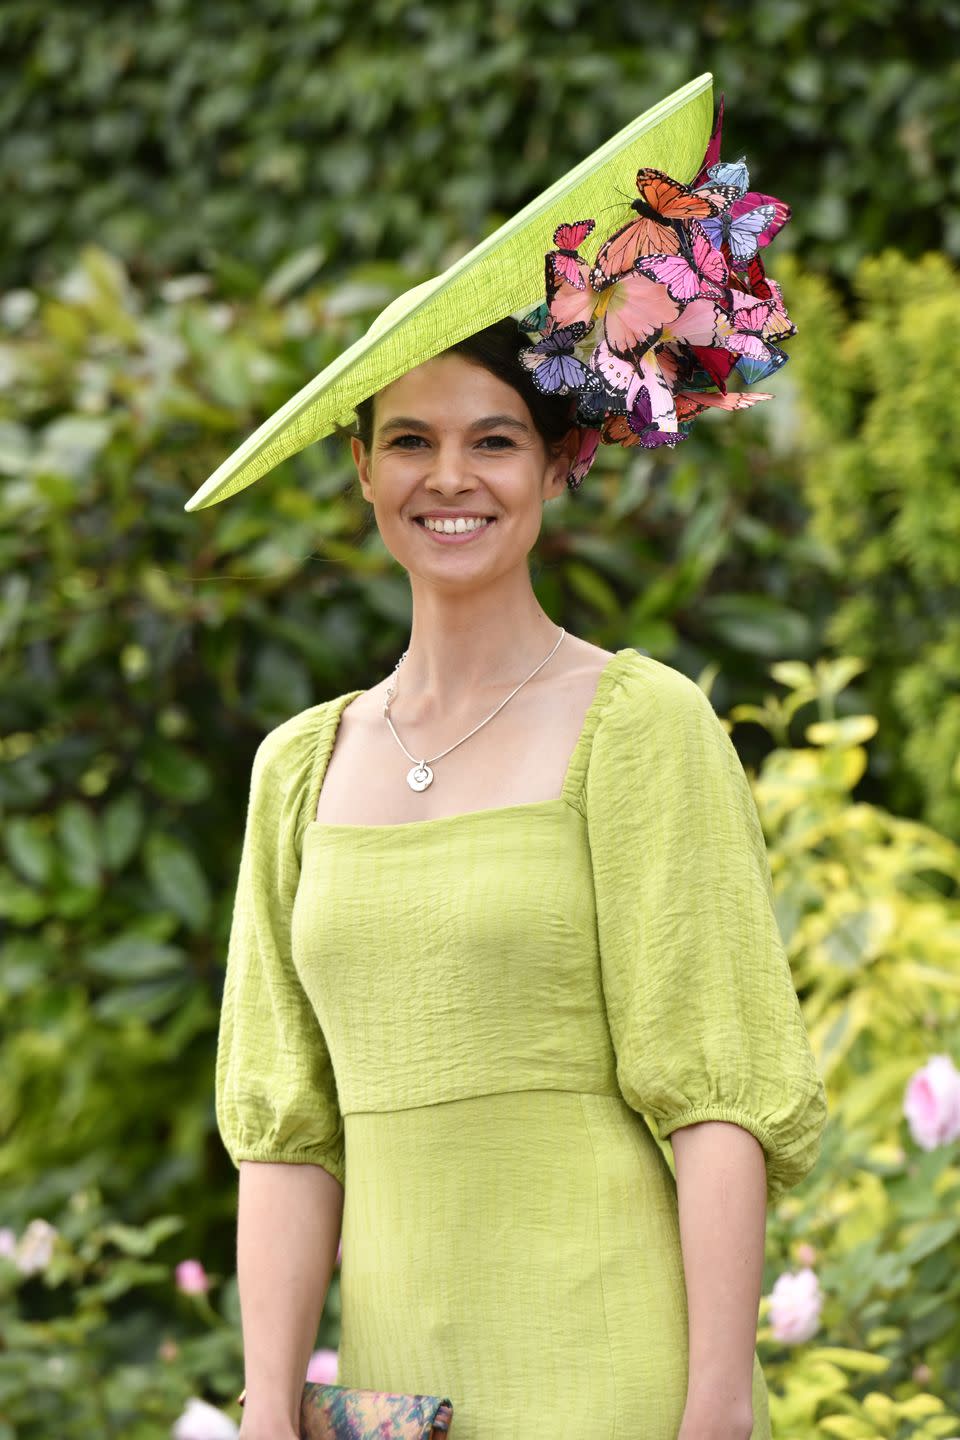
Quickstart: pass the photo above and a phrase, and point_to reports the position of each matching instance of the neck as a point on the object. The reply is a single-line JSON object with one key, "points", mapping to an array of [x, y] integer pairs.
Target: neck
{"points": [[460, 659]]}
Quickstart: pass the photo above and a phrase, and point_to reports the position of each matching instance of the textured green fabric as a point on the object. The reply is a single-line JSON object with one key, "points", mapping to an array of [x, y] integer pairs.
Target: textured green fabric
{"points": [[501, 275], [505, 994]]}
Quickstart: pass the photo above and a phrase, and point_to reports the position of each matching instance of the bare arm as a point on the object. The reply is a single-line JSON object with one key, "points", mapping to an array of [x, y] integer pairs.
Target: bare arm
{"points": [[722, 1195], [288, 1228]]}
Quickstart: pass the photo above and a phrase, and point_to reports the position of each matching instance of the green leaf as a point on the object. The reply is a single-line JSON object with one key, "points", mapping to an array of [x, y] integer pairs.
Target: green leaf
{"points": [[755, 624], [135, 957], [178, 879]]}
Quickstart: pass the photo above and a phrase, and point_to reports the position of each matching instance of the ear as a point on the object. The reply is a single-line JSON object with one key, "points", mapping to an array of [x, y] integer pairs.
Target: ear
{"points": [[360, 459], [555, 482]]}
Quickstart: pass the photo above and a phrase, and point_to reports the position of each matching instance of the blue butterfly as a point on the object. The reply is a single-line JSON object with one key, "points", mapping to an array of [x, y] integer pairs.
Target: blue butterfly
{"points": [[731, 172], [537, 319], [741, 233], [755, 370]]}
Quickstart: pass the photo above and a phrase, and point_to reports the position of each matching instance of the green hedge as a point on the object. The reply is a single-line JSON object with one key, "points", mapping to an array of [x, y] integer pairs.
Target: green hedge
{"points": [[223, 137]]}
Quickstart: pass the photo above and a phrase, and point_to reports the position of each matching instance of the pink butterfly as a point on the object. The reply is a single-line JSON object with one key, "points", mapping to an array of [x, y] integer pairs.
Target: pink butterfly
{"points": [[657, 373], [565, 260], [743, 328], [567, 304], [692, 402], [617, 373], [703, 271], [699, 323], [634, 309], [589, 440]]}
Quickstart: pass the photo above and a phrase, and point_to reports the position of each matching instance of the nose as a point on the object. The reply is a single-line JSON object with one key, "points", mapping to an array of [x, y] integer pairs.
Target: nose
{"points": [[452, 473]]}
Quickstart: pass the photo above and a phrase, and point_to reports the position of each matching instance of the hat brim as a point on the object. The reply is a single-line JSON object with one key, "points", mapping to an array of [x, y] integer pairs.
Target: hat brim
{"points": [[501, 275]]}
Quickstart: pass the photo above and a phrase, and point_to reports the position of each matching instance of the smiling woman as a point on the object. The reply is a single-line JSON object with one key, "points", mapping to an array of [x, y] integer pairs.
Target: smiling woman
{"points": [[463, 1004]]}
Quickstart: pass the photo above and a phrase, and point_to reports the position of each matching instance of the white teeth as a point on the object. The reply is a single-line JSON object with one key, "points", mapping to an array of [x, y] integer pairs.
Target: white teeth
{"points": [[455, 527]]}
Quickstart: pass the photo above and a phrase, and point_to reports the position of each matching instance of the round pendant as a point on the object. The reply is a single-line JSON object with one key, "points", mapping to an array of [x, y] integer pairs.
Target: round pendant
{"points": [[420, 776]]}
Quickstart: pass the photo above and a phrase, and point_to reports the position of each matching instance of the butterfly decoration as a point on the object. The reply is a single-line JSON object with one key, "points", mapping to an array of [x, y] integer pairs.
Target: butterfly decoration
{"points": [[664, 205], [554, 366], [589, 440], [675, 305], [697, 269], [742, 231], [692, 402], [565, 260], [637, 427]]}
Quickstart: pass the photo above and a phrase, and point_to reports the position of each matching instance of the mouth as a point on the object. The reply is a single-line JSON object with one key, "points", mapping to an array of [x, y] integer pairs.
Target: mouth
{"points": [[462, 536]]}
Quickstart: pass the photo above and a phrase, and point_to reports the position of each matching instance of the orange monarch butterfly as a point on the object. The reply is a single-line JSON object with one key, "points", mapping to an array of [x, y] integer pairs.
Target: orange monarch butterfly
{"points": [[663, 201]]}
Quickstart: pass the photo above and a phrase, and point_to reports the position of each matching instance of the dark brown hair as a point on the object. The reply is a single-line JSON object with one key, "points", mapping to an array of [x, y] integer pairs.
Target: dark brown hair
{"points": [[496, 348]]}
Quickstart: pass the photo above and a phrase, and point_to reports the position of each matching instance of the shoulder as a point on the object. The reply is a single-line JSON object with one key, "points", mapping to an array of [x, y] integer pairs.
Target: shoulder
{"points": [[649, 692], [658, 738], [286, 762], [282, 779]]}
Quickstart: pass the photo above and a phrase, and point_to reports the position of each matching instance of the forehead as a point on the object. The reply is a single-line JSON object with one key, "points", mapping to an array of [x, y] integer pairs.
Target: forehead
{"points": [[449, 390]]}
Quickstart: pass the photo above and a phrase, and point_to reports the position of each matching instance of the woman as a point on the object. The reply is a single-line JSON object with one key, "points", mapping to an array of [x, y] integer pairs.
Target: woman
{"points": [[462, 1000]]}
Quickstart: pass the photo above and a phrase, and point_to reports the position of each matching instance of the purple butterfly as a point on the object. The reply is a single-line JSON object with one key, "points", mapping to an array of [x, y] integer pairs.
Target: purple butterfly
{"points": [[554, 367], [637, 427], [742, 233]]}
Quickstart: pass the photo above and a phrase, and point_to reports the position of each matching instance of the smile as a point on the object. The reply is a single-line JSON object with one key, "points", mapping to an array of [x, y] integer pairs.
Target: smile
{"points": [[454, 532]]}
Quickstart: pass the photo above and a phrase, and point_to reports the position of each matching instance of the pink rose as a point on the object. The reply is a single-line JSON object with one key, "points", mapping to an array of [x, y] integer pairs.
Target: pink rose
{"points": [[192, 1278], [201, 1421], [322, 1369], [8, 1242], [931, 1103], [795, 1303]]}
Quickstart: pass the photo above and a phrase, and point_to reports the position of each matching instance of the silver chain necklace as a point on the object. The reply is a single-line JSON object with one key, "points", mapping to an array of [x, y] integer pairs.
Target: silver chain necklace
{"points": [[420, 775]]}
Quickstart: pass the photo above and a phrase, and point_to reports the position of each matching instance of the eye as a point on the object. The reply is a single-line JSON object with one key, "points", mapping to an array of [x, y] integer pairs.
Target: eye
{"points": [[399, 440], [498, 441]]}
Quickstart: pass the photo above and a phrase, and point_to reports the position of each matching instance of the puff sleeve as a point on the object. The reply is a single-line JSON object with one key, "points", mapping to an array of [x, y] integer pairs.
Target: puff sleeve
{"points": [[703, 1014], [276, 1097]]}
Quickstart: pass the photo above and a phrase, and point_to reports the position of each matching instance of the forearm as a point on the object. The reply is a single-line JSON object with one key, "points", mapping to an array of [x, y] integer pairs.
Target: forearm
{"points": [[288, 1228], [721, 1189]]}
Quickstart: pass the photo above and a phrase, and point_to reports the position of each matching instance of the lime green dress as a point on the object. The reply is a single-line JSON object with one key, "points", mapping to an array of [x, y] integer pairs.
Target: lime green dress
{"points": [[480, 1023]]}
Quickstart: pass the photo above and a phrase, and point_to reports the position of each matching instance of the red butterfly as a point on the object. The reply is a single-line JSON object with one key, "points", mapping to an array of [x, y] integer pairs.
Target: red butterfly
{"points": [[716, 361], [663, 201], [565, 261]]}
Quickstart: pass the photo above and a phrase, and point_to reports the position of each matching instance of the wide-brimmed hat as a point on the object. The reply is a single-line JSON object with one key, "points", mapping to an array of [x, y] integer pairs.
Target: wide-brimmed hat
{"points": [[502, 275]]}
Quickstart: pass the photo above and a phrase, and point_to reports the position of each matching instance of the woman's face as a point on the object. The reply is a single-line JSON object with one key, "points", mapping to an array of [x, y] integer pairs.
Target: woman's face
{"points": [[451, 439]]}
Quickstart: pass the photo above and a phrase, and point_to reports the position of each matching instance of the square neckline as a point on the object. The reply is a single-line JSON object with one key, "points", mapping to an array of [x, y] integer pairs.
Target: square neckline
{"points": [[605, 679]]}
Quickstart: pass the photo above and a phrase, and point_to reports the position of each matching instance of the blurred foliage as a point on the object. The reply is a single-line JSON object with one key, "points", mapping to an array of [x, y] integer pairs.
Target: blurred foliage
{"points": [[880, 463], [226, 137]]}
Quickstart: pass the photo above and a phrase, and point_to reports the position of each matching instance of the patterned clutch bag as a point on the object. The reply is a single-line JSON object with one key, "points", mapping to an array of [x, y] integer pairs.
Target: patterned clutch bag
{"points": [[337, 1412]]}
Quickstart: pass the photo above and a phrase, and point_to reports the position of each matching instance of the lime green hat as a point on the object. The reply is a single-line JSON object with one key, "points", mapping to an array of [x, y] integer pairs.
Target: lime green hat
{"points": [[502, 275]]}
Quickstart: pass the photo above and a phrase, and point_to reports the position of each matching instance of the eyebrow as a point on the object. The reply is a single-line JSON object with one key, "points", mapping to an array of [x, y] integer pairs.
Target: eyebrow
{"points": [[409, 422]]}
